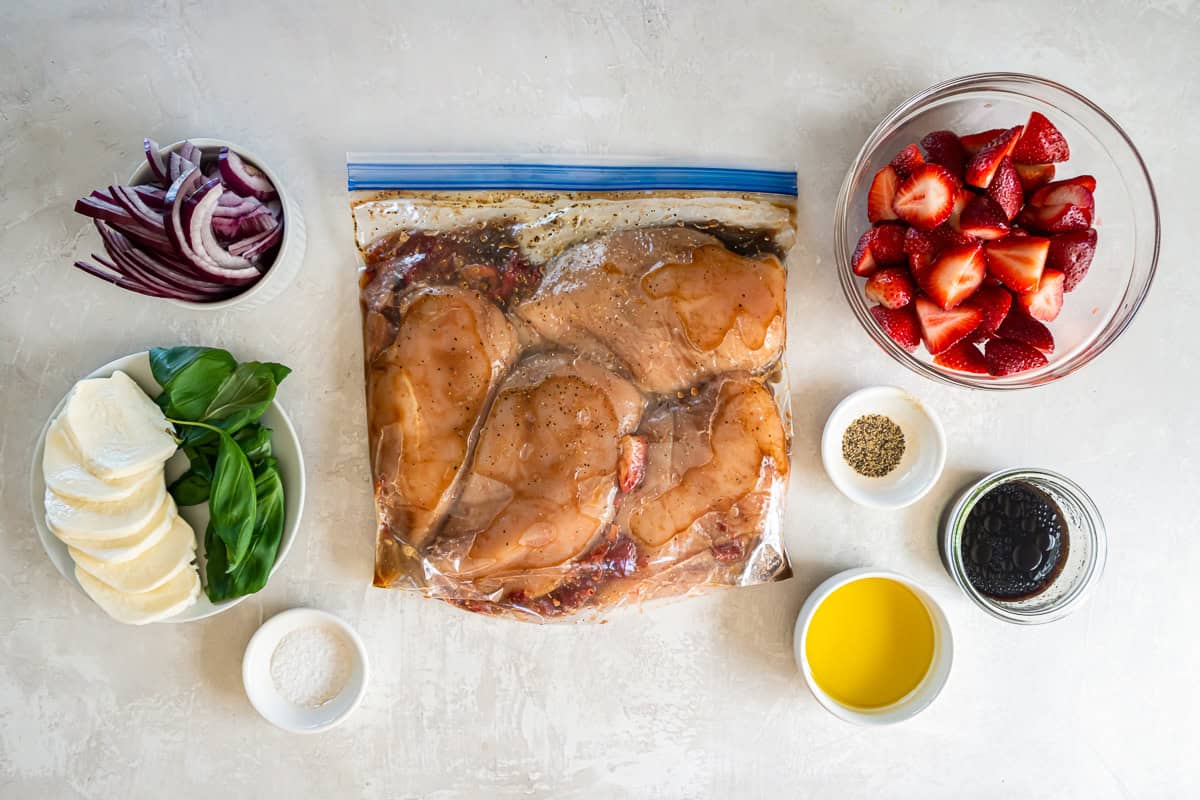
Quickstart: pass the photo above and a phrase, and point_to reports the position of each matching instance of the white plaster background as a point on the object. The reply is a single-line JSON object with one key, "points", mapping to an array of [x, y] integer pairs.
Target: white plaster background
{"points": [[693, 700]]}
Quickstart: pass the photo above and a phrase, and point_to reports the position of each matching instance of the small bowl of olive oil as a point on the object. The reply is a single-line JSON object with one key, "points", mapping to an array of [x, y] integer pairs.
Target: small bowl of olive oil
{"points": [[874, 647]]}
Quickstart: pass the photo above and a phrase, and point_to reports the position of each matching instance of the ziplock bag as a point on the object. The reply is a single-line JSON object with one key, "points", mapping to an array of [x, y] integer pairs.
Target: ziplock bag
{"points": [[574, 378]]}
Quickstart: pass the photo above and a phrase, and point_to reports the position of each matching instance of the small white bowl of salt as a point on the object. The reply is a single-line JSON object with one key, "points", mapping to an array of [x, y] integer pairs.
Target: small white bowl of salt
{"points": [[305, 670]]}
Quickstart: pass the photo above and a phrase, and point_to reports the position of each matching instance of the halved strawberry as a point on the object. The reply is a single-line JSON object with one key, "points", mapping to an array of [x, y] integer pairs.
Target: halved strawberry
{"points": [[1072, 253], [994, 303], [1006, 357], [887, 243], [921, 247], [863, 261], [1017, 261], [960, 202], [1041, 143], [983, 164], [900, 324], [1076, 191], [954, 275], [1006, 189], [1023, 328], [1055, 219], [942, 329], [907, 160], [1046, 301], [964, 357], [891, 287], [926, 198], [1033, 176], [983, 218], [944, 149], [881, 194], [972, 143]]}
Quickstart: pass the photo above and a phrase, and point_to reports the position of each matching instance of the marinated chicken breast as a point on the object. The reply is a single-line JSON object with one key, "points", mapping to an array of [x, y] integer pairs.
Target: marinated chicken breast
{"points": [[426, 391], [672, 304], [543, 478], [712, 464]]}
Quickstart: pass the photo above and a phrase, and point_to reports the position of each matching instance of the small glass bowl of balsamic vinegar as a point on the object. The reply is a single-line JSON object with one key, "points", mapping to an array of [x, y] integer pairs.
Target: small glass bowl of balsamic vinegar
{"points": [[1026, 545]]}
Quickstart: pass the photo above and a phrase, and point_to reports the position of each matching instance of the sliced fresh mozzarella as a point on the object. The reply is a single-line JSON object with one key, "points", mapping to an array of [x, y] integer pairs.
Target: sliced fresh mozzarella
{"points": [[90, 521], [167, 600], [129, 547], [151, 569], [118, 430], [64, 472]]}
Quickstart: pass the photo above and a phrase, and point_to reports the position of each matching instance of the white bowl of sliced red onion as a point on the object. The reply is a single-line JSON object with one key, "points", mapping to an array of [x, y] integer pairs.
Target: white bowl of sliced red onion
{"points": [[202, 223]]}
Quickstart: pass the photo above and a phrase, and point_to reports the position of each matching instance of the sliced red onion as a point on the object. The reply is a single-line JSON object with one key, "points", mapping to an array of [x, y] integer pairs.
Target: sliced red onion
{"points": [[132, 202], [154, 159], [189, 152], [136, 264], [116, 280], [243, 178], [152, 196], [254, 247], [197, 228]]}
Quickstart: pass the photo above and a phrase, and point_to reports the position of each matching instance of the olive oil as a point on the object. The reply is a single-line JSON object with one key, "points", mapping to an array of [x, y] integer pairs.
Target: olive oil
{"points": [[870, 643]]}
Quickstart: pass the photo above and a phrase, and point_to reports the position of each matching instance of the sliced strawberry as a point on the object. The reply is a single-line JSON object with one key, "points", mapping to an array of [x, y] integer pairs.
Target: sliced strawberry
{"points": [[1024, 328], [944, 149], [926, 198], [983, 218], [921, 247], [961, 200], [993, 303], [1055, 219], [900, 324], [944, 236], [1046, 301], [891, 287], [631, 462], [941, 329], [887, 243], [954, 275], [1006, 357], [881, 195], [1017, 261], [1006, 189], [1033, 176], [1077, 191], [863, 261], [964, 357], [1041, 143], [983, 165], [1072, 253], [907, 160], [974, 142]]}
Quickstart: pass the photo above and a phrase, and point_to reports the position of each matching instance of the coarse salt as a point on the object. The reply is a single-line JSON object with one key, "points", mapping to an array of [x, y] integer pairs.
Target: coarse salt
{"points": [[310, 666]]}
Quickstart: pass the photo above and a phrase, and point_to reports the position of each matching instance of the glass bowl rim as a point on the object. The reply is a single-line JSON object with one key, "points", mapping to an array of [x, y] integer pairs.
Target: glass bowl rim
{"points": [[846, 277], [1097, 533]]}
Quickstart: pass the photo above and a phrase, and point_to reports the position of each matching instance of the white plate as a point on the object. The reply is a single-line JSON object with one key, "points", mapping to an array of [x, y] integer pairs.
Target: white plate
{"points": [[260, 688], [284, 444], [924, 448]]}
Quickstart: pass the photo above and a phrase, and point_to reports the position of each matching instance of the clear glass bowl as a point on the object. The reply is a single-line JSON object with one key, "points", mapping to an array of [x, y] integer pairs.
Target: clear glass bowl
{"points": [[1087, 547], [1126, 217]]}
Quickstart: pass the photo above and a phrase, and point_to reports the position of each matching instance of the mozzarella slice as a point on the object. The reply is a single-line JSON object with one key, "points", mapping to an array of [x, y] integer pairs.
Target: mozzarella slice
{"points": [[64, 472], [151, 569], [86, 520], [118, 430], [129, 547], [172, 597]]}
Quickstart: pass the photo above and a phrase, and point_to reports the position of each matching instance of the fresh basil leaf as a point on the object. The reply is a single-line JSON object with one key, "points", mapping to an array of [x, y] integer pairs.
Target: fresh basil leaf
{"points": [[278, 371], [168, 362], [200, 459], [252, 573], [231, 503], [255, 441], [192, 389], [242, 397], [190, 489]]}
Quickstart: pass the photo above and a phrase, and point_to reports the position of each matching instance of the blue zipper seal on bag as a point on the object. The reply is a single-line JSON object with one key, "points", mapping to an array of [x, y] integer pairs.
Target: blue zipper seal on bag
{"points": [[462, 176]]}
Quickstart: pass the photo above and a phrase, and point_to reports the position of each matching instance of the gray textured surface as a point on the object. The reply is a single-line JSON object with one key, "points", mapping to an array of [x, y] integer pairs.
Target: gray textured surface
{"points": [[697, 699]]}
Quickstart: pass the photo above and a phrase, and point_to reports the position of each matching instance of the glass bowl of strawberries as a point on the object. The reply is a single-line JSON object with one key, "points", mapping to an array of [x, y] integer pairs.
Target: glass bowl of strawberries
{"points": [[996, 231]]}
